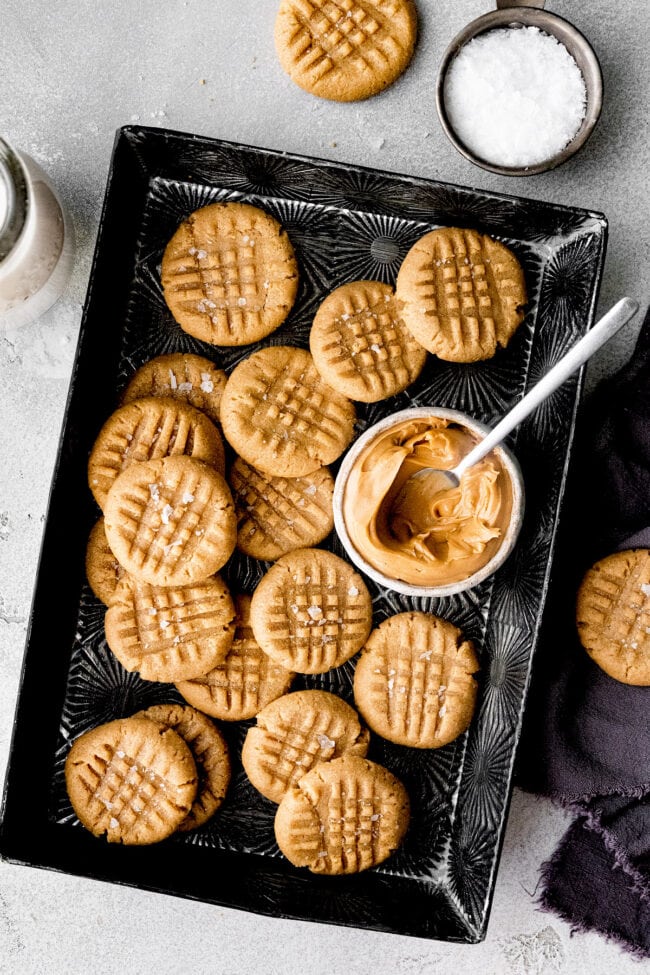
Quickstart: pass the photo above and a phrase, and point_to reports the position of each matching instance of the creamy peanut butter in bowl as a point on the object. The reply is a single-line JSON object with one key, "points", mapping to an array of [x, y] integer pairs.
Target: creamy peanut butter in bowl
{"points": [[408, 540]]}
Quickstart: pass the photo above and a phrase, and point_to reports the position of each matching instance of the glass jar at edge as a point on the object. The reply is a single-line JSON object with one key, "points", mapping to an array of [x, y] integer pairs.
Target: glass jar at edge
{"points": [[36, 243]]}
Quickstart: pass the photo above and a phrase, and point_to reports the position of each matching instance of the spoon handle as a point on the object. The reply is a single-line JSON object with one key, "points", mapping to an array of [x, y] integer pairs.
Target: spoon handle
{"points": [[608, 326]]}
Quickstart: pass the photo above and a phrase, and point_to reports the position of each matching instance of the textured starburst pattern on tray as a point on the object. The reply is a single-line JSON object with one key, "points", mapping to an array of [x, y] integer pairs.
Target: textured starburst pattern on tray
{"points": [[346, 223]]}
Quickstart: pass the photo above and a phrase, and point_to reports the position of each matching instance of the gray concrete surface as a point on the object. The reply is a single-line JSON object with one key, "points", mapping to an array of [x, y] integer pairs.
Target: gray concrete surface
{"points": [[72, 73]]}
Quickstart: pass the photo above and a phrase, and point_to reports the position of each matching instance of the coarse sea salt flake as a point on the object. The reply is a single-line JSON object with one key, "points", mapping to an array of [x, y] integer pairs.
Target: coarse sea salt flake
{"points": [[166, 514], [207, 385], [315, 612], [515, 97], [645, 589], [154, 491], [353, 591], [187, 497], [164, 624], [185, 387]]}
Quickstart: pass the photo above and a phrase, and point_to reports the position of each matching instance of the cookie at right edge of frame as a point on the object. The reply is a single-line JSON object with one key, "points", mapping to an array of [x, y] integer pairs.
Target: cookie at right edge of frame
{"points": [[613, 615], [414, 681], [343, 817], [462, 294]]}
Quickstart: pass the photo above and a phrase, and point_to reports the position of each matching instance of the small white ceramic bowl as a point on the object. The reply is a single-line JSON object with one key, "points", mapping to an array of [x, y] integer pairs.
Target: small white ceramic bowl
{"points": [[479, 429]]}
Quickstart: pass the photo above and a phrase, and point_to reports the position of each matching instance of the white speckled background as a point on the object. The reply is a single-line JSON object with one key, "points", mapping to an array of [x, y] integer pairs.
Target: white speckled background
{"points": [[71, 74]]}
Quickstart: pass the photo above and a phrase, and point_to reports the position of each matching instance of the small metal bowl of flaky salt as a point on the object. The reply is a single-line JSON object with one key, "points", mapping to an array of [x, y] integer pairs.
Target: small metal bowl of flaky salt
{"points": [[414, 542]]}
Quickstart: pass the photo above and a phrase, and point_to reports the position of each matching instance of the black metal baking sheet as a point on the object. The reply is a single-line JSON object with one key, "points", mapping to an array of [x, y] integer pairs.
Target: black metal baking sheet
{"points": [[345, 222]]}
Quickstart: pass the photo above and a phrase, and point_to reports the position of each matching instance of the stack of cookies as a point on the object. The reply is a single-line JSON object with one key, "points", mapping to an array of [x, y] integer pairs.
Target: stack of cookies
{"points": [[177, 501]]}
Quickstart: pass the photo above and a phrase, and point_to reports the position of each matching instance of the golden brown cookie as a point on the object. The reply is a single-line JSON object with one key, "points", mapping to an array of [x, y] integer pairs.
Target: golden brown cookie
{"points": [[148, 429], [342, 817], [131, 780], [229, 274], [172, 633], [414, 682], [210, 754], [245, 682], [360, 344], [102, 568], [170, 522], [295, 733], [189, 378], [345, 50], [280, 416], [311, 611], [613, 615], [276, 515], [462, 294]]}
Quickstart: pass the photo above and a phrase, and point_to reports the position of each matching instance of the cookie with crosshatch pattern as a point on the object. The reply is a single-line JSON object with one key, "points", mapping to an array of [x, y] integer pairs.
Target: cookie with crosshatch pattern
{"points": [[414, 681], [183, 376], [278, 514], [295, 733], [170, 522], [613, 615], [229, 274], [148, 429], [131, 780], [345, 50], [311, 611], [170, 633], [343, 817], [210, 754], [102, 568], [244, 682], [280, 416], [462, 294], [360, 344]]}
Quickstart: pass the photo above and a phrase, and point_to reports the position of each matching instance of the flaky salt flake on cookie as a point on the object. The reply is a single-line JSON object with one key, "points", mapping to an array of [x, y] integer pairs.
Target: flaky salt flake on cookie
{"points": [[103, 571], [244, 682], [281, 417], [131, 780], [276, 515], [342, 817], [295, 733], [613, 615], [345, 50], [171, 522], [229, 274], [173, 633], [360, 344], [149, 429], [414, 681], [183, 376], [210, 754], [311, 611], [462, 294]]}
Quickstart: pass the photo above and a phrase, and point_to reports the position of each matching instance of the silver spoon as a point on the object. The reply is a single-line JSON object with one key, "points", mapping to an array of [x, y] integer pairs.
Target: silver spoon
{"points": [[431, 481]]}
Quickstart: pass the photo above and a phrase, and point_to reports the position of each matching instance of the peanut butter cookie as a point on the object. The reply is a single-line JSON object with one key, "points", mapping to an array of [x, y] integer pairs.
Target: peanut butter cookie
{"points": [[462, 294], [172, 633], [189, 378], [229, 274], [613, 615], [210, 754], [342, 817], [280, 416], [276, 515], [345, 50], [414, 682], [295, 733], [102, 568], [131, 780], [360, 344], [245, 682], [311, 611], [171, 522]]}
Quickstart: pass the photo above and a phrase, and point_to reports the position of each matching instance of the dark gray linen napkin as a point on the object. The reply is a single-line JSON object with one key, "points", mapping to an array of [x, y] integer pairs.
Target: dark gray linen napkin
{"points": [[586, 737]]}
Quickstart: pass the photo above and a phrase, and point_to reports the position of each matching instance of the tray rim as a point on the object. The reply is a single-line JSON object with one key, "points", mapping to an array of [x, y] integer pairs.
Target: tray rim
{"points": [[21, 850]]}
